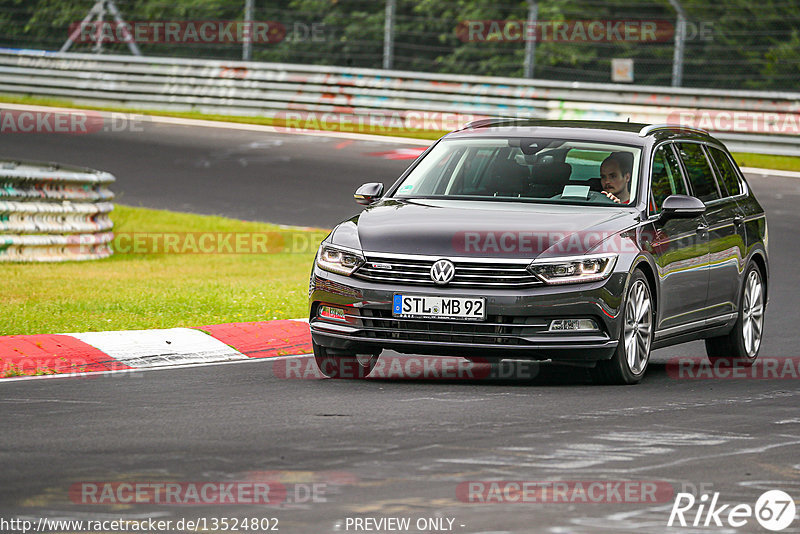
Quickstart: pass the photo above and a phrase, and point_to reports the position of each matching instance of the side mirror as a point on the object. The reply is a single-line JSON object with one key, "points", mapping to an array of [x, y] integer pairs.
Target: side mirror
{"points": [[368, 193], [682, 207]]}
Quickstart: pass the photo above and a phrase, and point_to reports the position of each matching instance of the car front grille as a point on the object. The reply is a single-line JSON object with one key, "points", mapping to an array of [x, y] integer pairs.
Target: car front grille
{"points": [[469, 273], [497, 330]]}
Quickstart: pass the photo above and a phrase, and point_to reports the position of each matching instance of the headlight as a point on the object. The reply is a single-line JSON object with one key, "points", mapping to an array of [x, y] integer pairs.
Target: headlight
{"points": [[588, 268], [339, 260]]}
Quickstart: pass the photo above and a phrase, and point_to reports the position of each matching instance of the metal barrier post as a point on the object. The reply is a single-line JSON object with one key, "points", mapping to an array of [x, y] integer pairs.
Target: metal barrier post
{"points": [[388, 35], [530, 42], [680, 37]]}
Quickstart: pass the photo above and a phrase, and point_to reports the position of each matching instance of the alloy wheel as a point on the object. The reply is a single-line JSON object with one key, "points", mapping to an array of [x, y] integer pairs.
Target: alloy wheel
{"points": [[752, 313], [638, 327]]}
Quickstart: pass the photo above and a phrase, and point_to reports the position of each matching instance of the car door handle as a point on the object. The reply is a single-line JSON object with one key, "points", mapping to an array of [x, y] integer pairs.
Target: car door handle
{"points": [[738, 220], [702, 228]]}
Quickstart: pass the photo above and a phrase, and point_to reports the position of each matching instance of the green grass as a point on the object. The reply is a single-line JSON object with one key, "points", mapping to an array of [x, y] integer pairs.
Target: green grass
{"points": [[139, 291], [766, 161]]}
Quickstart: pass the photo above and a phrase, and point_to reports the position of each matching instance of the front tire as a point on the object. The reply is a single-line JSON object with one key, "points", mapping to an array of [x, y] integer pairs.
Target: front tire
{"points": [[629, 362], [741, 345], [343, 365]]}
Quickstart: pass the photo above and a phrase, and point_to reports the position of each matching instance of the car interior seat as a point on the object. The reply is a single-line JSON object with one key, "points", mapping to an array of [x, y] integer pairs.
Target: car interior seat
{"points": [[549, 179], [507, 178]]}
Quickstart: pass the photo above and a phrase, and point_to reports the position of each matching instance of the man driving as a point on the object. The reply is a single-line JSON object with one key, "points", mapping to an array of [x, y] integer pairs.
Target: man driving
{"points": [[615, 176]]}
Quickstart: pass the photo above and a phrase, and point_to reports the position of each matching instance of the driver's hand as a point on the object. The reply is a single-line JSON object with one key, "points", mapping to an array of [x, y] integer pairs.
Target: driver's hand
{"points": [[611, 196]]}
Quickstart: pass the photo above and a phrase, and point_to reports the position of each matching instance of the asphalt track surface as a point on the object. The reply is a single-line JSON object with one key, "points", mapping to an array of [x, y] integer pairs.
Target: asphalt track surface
{"points": [[385, 448], [282, 178]]}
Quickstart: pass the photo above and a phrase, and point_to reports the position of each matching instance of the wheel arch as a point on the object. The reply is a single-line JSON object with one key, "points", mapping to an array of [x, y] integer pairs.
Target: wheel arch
{"points": [[643, 264], [760, 261]]}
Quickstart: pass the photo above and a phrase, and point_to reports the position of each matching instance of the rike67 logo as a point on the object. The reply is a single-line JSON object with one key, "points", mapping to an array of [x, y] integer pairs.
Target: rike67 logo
{"points": [[774, 510]]}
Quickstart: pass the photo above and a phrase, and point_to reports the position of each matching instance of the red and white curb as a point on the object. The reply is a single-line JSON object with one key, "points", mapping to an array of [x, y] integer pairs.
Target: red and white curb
{"points": [[24, 357]]}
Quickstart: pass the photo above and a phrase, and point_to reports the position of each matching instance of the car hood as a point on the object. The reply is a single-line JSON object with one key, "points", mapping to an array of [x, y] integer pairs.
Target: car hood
{"points": [[453, 228]]}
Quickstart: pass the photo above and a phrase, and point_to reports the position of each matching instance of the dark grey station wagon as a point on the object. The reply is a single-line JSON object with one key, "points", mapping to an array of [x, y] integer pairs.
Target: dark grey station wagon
{"points": [[583, 242]]}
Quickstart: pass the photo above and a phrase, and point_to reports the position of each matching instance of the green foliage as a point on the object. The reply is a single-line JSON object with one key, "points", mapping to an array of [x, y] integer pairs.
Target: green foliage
{"points": [[755, 45], [745, 45]]}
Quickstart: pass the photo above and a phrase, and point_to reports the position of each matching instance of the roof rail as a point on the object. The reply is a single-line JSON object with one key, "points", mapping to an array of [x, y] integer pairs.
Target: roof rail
{"points": [[487, 123], [650, 128]]}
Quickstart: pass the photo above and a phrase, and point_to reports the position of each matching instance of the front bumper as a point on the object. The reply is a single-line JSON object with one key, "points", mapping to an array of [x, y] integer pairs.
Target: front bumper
{"points": [[516, 325]]}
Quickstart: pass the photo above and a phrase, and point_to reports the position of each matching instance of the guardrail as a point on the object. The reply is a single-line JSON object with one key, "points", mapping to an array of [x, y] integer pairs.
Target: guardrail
{"points": [[50, 212], [768, 122]]}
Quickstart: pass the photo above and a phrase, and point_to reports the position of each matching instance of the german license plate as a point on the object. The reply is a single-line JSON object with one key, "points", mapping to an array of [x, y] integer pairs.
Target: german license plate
{"points": [[432, 307]]}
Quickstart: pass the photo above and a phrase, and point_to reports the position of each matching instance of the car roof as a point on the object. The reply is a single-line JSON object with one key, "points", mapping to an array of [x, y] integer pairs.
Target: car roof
{"points": [[631, 133]]}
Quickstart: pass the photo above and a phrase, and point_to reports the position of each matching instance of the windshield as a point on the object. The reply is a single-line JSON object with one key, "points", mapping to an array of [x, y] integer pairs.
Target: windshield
{"points": [[526, 169]]}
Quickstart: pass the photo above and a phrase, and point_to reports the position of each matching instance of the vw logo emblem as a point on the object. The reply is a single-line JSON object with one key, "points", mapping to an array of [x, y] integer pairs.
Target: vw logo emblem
{"points": [[443, 271]]}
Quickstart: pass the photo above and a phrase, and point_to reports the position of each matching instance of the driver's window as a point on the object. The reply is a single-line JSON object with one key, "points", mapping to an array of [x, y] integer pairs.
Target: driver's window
{"points": [[667, 178]]}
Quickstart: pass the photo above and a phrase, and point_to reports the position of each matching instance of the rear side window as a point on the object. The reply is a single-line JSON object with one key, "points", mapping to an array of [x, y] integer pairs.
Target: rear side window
{"points": [[667, 178], [699, 172], [729, 177]]}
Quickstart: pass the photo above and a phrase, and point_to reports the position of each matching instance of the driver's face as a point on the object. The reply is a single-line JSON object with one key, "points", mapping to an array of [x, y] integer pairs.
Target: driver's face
{"points": [[612, 179]]}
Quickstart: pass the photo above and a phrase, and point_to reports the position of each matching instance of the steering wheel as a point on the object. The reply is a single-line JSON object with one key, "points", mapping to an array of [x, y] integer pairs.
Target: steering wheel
{"points": [[596, 195]]}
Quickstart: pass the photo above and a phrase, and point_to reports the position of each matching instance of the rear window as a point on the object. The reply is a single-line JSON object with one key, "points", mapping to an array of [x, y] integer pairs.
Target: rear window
{"points": [[699, 172], [728, 175]]}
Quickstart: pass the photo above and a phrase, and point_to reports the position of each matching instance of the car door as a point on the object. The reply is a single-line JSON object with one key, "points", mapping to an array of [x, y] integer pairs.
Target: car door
{"points": [[727, 247], [679, 250], [718, 218]]}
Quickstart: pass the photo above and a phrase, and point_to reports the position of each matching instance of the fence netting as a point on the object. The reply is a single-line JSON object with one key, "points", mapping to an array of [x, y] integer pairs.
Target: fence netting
{"points": [[735, 44]]}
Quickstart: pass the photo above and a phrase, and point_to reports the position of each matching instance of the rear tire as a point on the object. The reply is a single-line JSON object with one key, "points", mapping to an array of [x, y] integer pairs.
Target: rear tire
{"points": [[344, 365], [629, 362], [741, 345]]}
